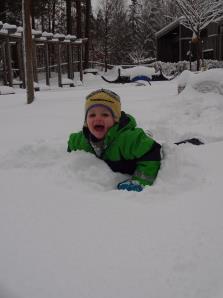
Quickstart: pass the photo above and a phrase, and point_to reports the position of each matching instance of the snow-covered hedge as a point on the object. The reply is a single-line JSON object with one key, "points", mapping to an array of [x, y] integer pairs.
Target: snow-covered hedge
{"points": [[176, 68]]}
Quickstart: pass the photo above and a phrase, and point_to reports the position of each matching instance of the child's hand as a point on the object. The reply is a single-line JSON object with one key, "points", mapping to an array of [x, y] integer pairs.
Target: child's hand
{"points": [[130, 185]]}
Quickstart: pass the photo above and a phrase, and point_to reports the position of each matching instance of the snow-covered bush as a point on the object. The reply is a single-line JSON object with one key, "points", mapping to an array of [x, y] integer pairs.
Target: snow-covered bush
{"points": [[206, 81], [176, 68], [213, 64]]}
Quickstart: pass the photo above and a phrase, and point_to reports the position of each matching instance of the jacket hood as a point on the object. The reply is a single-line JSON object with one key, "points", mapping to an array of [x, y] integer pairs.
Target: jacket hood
{"points": [[126, 122]]}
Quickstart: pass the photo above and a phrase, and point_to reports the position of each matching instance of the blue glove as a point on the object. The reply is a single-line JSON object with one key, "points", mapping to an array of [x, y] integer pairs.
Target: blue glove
{"points": [[130, 185]]}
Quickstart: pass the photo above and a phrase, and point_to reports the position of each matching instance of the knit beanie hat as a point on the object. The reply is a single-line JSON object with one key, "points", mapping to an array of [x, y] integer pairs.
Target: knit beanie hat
{"points": [[106, 98]]}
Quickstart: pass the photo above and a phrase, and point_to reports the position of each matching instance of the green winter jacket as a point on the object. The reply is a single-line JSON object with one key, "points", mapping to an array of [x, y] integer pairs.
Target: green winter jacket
{"points": [[127, 149]]}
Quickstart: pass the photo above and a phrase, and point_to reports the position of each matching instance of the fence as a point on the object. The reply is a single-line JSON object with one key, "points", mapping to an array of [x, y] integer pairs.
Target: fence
{"points": [[51, 53]]}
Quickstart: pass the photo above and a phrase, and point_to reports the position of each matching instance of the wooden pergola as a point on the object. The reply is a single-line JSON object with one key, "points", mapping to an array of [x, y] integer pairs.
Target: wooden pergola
{"points": [[11, 36]]}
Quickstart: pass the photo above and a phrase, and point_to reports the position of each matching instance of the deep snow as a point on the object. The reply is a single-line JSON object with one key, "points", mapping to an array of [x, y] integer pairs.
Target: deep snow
{"points": [[67, 232]]}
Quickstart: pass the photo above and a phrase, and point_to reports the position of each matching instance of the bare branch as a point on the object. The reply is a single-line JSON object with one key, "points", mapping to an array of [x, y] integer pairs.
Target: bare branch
{"points": [[198, 14]]}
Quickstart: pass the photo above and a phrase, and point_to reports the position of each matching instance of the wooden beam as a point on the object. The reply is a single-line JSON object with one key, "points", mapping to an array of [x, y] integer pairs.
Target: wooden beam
{"points": [[47, 69], [9, 62], [27, 45], [59, 65]]}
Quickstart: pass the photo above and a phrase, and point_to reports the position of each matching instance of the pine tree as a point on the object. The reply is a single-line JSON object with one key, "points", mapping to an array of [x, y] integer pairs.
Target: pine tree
{"points": [[170, 11], [134, 14], [153, 24], [149, 20], [119, 33], [103, 42], [11, 11]]}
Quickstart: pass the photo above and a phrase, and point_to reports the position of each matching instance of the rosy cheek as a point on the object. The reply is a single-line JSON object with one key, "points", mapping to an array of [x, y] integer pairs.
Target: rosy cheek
{"points": [[89, 122]]}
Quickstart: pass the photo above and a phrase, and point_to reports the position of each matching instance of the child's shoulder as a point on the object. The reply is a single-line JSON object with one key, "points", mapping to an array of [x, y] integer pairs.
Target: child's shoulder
{"points": [[129, 129], [78, 141], [137, 133], [75, 135]]}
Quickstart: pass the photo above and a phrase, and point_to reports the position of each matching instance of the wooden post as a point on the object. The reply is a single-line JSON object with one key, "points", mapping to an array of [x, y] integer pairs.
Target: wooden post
{"points": [[198, 53], [220, 36], [87, 32], [5, 80], [81, 62], [78, 26], [180, 45], [221, 45], [27, 46], [9, 63], [51, 50], [20, 62], [78, 18], [190, 54], [35, 74], [46, 52], [70, 62], [59, 65]]}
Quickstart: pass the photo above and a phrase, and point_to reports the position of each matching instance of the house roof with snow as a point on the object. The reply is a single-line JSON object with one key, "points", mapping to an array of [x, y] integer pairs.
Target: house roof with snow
{"points": [[169, 27], [174, 25]]}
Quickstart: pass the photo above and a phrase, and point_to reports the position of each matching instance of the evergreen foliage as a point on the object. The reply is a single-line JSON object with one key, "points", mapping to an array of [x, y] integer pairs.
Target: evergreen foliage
{"points": [[119, 38], [119, 33]]}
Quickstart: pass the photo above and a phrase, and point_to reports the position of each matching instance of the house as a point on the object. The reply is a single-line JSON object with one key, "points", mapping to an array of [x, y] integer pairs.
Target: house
{"points": [[174, 42]]}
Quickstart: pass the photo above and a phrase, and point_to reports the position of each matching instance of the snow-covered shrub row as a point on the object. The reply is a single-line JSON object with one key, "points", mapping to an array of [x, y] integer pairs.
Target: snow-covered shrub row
{"points": [[171, 68], [213, 64], [176, 68]]}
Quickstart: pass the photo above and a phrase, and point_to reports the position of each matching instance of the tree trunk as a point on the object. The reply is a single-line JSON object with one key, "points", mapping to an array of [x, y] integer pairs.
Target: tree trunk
{"points": [[198, 53], [87, 31], [69, 31], [42, 23], [27, 46], [78, 28], [78, 8], [53, 16], [3, 11], [49, 18], [69, 20], [196, 40], [106, 42], [32, 12]]}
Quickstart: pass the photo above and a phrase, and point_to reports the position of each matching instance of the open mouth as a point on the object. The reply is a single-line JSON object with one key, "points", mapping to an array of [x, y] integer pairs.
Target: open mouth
{"points": [[99, 127]]}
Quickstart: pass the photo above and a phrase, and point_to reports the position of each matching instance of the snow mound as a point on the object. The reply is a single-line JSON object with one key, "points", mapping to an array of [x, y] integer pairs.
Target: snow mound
{"points": [[90, 172], [179, 168], [57, 166], [138, 71], [51, 162], [204, 82], [6, 90]]}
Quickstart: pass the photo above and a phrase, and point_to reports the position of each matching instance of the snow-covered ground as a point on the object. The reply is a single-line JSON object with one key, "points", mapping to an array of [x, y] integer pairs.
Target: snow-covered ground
{"points": [[65, 231]]}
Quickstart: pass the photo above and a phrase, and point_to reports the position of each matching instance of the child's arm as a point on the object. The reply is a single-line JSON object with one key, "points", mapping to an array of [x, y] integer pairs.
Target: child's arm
{"points": [[146, 152], [148, 166], [77, 141]]}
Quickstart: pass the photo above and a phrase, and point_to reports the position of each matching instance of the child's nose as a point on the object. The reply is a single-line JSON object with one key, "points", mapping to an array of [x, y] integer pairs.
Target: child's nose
{"points": [[99, 117]]}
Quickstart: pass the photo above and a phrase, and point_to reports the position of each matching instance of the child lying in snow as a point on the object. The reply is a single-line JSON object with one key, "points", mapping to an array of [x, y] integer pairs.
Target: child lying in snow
{"points": [[112, 136]]}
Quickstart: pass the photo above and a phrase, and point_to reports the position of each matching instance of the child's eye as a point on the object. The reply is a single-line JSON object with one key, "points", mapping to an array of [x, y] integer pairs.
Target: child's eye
{"points": [[105, 115], [91, 115]]}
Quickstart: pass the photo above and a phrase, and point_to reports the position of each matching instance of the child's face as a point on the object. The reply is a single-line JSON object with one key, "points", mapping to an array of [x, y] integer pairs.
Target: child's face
{"points": [[99, 120]]}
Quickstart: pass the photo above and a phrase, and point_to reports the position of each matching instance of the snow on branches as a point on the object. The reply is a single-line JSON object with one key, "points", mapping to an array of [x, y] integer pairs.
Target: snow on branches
{"points": [[198, 14]]}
